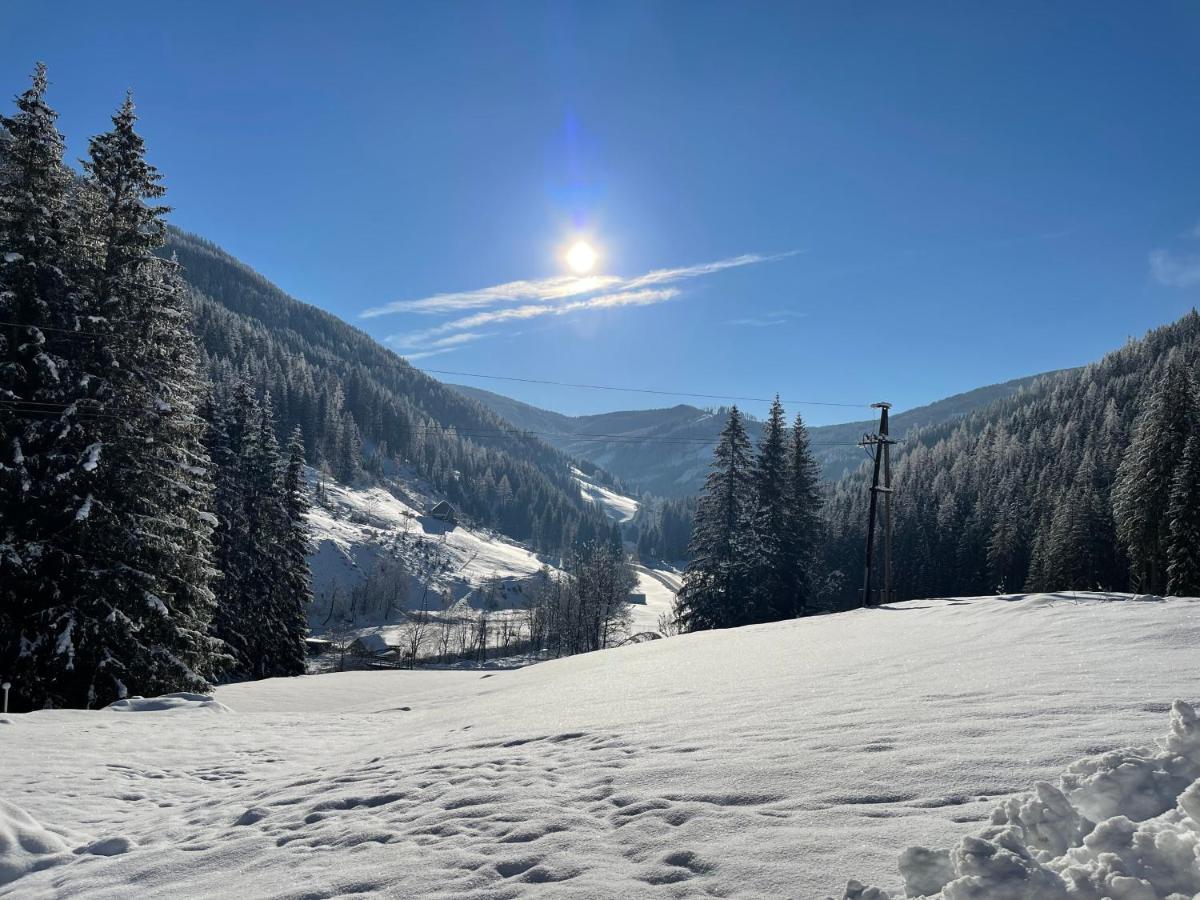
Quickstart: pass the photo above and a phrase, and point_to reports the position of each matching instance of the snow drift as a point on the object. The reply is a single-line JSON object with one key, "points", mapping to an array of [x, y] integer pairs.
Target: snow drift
{"points": [[169, 703], [1123, 825]]}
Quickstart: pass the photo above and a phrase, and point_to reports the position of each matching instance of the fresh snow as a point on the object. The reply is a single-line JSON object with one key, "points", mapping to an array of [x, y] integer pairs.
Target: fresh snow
{"points": [[1122, 825], [770, 761], [181, 702]]}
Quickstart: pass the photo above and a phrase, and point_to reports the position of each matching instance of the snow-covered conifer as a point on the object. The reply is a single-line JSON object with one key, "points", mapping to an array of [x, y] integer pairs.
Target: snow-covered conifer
{"points": [[1183, 514], [716, 586], [134, 618], [1142, 492]]}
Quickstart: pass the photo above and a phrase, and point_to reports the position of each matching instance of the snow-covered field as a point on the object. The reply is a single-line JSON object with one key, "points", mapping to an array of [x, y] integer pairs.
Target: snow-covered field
{"points": [[770, 761]]}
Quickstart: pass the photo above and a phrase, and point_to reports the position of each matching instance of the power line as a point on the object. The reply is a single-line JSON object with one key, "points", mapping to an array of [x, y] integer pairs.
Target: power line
{"points": [[45, 407], [514, 378], [634, 390]]}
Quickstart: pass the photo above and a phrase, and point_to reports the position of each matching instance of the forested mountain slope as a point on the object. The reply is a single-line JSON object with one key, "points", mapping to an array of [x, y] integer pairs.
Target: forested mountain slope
{"points": [[362, 407], [681, 472], [1048, 487]]}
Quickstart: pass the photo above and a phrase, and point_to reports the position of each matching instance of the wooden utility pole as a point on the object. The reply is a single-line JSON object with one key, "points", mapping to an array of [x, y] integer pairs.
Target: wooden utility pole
{"points": [[880, 445]]}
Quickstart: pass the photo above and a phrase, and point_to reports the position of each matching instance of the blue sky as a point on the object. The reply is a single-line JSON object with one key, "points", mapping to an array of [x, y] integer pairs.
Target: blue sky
{"points": [[835, 201]]}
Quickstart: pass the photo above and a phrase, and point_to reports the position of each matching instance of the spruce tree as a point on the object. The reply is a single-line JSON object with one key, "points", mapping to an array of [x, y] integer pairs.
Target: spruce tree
{"points": [[47, 420], [295, 587], [134, 619], [232, 434], [1142, 492], [803, 523], [771, 577], [1183, 514], [262, 541], [716, 585]]}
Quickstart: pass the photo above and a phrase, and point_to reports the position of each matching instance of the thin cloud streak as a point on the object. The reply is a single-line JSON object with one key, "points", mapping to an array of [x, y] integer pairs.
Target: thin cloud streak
{"points": [[776, 317], [557, 288], [1175, 271], [435, 334], [562, 287]]}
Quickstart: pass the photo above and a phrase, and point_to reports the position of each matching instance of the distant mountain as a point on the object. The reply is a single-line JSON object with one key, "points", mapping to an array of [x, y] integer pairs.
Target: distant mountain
{"points": [[367, 415], [674, 461]]}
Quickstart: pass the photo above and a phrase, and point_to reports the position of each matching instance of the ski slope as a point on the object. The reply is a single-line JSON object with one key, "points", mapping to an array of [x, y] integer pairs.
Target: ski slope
{"points": [[616, 506], [770, 761]]}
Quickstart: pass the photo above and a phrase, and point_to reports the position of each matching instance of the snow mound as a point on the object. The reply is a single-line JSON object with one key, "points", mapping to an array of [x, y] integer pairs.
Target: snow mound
{"points": [[1122, 825], [182, 702], [25, 844]]}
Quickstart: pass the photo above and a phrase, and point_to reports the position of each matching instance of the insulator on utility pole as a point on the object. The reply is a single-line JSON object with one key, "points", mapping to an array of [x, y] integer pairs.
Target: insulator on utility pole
{"points": [[880, 449]]}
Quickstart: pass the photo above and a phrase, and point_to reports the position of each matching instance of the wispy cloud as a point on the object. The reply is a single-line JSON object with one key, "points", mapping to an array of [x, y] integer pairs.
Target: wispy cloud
{"points": [[1174, 270], [544, 289], [774, 317], [435, 346], [1179, 270], [434, 336], [560, 287], [517, 301]]}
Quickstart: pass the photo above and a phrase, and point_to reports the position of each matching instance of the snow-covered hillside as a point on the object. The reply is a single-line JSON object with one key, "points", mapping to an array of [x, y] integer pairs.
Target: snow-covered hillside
{"points": [[616, 506], [770, 761], [353, 529]]}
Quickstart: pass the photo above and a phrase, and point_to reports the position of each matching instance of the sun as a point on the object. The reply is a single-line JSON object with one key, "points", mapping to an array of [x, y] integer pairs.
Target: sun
{"points": [[581, 257]]}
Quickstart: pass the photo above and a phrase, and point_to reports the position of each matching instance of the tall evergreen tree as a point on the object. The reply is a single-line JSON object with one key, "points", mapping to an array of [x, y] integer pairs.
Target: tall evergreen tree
{"points": [[773, 595], [803, 524], [1142, 493], [1183, 515], [46, 414], [295, 586], [716, 586], [231, 434], [134, 618]]}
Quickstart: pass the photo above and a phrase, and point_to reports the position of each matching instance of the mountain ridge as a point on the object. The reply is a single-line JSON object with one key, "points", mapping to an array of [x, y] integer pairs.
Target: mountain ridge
{"points": [[696, 429]]}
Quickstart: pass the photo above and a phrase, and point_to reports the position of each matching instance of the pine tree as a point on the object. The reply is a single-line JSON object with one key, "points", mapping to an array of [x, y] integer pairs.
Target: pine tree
{"points": [[1183, 514], [230, 434], [803, 523], [46, 421], [773, 596], [134, 618], [1142, 492], [268, 530], [716, 585], [293, 590]]}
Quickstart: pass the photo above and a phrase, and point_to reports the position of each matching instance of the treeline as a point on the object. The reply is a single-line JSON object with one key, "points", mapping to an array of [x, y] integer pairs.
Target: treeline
{"points": [[1084, 480], [129, 563], [364, 410], [757, 536]]}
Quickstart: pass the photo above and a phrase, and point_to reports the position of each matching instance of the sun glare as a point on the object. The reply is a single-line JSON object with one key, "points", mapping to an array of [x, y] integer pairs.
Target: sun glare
{"points": [[581, 257]]}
